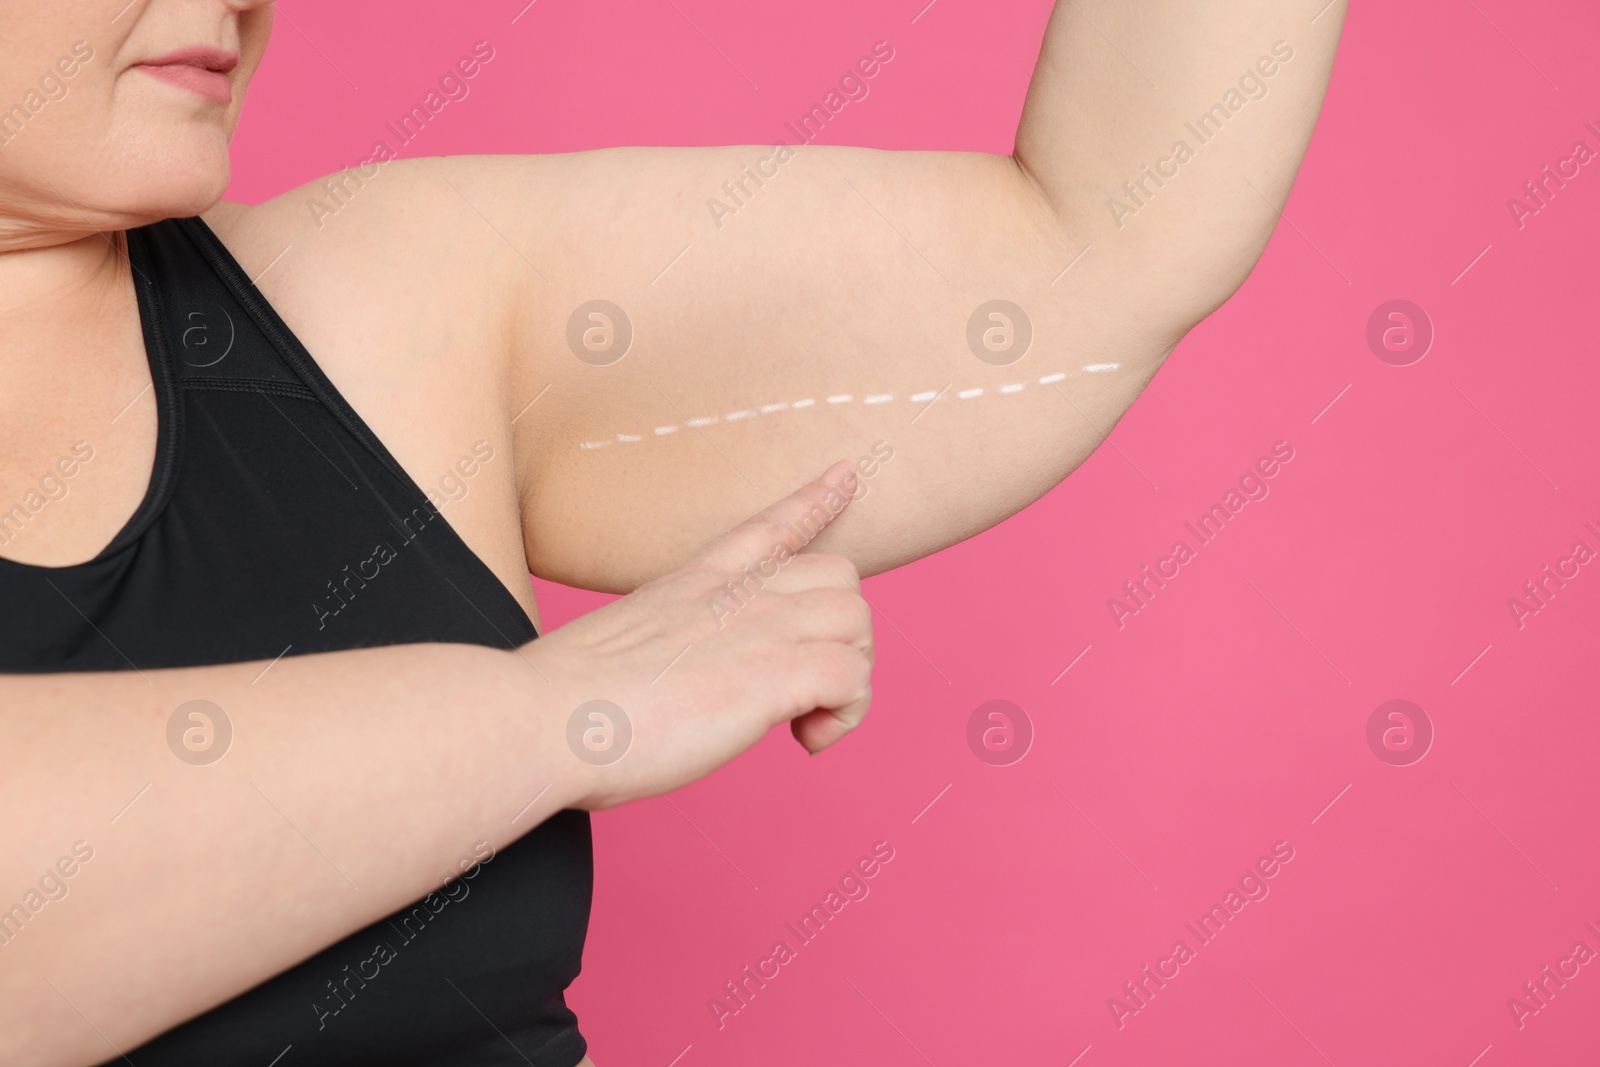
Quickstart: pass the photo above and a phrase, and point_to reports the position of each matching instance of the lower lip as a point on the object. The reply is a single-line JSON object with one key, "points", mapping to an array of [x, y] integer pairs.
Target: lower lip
{"points": [[207, 83]]}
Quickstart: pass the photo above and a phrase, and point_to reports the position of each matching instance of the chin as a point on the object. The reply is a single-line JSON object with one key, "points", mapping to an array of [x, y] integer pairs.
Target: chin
{"points": [[168, 175], [166, 197]]}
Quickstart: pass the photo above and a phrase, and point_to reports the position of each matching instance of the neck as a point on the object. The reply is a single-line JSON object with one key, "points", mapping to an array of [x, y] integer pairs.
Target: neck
{"points": [[52, 278]]}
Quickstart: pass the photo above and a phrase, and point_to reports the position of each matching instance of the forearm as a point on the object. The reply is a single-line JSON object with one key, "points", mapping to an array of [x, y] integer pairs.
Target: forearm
{"points": [[1167, 133], [354, 783]]}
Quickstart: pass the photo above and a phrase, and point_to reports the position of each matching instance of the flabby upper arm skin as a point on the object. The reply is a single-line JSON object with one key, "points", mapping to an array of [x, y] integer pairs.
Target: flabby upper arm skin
{"points": [[851, 273], [756, 289], [753, 291]]}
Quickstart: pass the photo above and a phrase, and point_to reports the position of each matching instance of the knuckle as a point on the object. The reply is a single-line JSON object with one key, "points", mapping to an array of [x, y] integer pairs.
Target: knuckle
{"points": [[846, 571], [849, 611], [855, 669], [843, 607]]}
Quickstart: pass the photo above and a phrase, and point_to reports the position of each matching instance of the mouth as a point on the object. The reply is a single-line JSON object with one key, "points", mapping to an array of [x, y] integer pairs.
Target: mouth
{"points": [[200, 69]]}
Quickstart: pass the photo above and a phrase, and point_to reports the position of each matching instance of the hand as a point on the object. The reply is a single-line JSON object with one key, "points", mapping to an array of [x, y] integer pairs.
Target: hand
{"points": [[704, 660]]}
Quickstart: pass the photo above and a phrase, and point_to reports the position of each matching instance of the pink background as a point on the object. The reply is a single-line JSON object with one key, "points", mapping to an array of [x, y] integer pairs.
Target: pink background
{"points": [[1227, 715]]}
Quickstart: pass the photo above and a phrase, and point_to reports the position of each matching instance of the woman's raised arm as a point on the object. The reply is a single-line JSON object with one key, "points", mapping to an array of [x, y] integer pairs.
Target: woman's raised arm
{"points": [[712, 323]]}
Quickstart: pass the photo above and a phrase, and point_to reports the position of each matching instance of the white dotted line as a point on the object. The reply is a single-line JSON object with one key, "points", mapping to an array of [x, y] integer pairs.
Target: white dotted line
{"points": [[840, 398]]}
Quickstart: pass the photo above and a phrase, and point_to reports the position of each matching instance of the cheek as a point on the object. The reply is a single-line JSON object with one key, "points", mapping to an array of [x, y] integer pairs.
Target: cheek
{"points": [[125, 149], [127, 144]]}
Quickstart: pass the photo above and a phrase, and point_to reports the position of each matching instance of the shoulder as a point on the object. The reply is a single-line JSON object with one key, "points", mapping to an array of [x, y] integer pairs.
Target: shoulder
{"points": [[388, 250], [408, 209]]}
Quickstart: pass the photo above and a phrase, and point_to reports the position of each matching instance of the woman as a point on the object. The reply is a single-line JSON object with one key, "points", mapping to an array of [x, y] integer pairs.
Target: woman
{"points": [[290, 779]]}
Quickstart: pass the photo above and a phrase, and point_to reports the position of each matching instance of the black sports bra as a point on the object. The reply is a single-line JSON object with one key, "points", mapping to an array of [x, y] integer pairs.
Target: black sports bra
{"points": [[268, 498]]}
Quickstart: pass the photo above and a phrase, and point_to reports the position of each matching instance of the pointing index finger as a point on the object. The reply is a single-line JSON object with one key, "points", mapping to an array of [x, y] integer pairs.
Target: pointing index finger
{"points": [[793, 522]]}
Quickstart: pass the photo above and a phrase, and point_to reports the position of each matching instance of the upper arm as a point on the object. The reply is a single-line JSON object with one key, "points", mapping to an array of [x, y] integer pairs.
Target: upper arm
{"points": [[850, 273], [755, 290]]}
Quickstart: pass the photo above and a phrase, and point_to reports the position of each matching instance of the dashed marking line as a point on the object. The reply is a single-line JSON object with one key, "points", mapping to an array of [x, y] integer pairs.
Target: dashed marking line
{"points": [[926, 397]]}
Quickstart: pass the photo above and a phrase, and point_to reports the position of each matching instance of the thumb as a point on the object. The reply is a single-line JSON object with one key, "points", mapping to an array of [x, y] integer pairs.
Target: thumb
{"points": [[795, 521]]}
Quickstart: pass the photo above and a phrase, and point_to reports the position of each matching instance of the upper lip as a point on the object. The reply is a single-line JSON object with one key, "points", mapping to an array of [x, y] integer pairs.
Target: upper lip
{"points": [[203, 56]]}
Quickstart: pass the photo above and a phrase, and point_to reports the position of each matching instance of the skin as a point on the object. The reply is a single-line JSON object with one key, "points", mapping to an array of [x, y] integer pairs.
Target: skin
{"points": [[437, 299]]}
